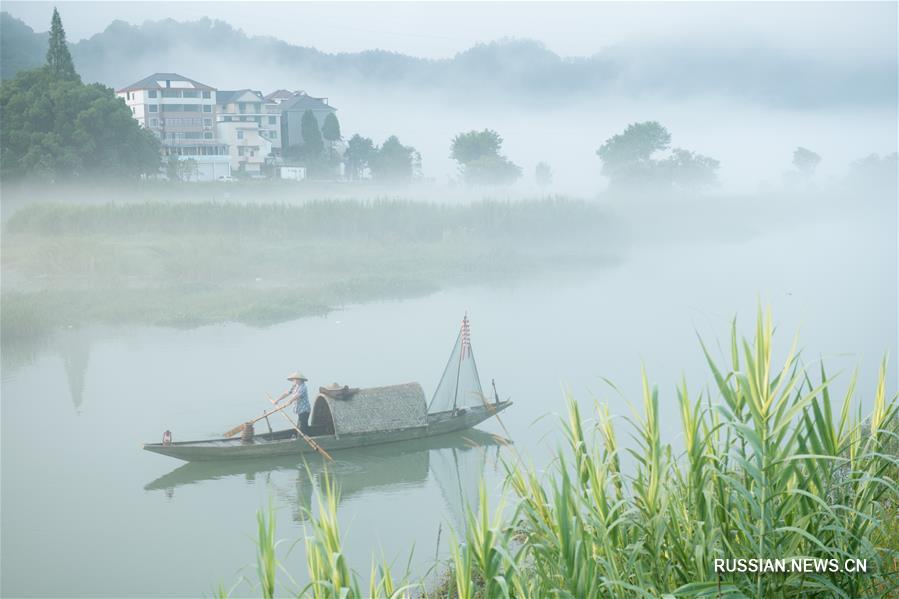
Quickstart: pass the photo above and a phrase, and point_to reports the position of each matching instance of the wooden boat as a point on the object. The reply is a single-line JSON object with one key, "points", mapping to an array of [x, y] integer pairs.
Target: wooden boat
{"points": [[337, 434], [366, 417], [454, 461], [384, 466]]}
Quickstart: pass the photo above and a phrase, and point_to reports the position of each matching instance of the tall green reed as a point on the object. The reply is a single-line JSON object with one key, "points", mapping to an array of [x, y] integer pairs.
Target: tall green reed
{"points": [[770, 466]]}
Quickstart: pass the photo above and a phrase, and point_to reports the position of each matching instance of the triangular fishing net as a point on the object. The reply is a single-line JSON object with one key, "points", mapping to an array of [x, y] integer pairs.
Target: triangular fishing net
{"points": [[460, 385]]}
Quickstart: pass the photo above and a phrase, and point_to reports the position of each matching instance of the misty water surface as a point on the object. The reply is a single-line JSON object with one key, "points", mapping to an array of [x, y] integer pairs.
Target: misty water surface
{"points": [[87, 512]]}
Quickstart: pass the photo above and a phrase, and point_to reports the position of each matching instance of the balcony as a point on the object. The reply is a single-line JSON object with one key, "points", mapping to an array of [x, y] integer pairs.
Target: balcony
{"points": [[190, 142]]}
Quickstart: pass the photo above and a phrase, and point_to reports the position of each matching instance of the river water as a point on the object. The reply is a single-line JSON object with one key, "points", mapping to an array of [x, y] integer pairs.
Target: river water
{"points": [[85, 512]]}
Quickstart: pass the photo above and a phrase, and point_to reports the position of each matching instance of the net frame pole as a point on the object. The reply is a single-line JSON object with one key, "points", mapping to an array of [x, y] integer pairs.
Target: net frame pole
{"points": [[458, 374]]}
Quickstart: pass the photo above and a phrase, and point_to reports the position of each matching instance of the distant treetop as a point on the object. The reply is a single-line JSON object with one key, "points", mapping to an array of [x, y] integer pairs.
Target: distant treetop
{"points": [[58, 58]]}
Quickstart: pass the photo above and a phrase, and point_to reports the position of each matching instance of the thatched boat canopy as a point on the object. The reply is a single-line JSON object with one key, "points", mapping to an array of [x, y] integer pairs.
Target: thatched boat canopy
{"points": [[375, 409]]}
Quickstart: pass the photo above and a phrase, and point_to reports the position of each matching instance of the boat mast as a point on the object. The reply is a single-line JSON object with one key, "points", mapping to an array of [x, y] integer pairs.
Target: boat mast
{"points": [[462, 342]]}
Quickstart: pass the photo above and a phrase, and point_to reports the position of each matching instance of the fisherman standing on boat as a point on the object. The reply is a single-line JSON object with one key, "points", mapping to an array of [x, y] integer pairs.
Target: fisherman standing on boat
{"points": [[299, 394]]}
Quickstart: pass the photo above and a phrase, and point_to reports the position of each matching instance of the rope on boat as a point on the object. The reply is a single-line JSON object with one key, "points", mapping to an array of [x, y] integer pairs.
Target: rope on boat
{"points": [[247, 435]]}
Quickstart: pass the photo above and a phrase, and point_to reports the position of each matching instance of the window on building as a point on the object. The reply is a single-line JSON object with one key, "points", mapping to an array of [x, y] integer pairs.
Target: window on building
{"points": [[207, 122], [242, 106], [207, 108], [153, 108], [272, 120], [240, 135], [191, 108], [190, 93], [154, 122], [151, 93], [273, 134], [171, 93], [257, 107], [207, 135], [206, 95]]}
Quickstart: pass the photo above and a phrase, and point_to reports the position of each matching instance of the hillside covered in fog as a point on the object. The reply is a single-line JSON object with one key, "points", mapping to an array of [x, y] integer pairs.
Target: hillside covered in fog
{"points": [[523, 72]]}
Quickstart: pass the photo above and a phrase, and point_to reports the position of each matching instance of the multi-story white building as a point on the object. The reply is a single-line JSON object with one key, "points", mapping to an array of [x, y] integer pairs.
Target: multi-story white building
{"points": [[181, 112], [218, 133], [252, 133]]}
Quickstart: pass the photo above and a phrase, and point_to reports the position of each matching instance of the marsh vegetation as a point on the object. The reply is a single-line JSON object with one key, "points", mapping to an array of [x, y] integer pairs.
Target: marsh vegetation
{"points": [[187, 264]]}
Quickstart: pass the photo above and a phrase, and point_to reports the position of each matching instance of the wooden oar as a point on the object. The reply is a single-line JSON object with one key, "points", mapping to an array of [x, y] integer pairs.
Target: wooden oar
{"points": [[307, 438], [240, 427]]}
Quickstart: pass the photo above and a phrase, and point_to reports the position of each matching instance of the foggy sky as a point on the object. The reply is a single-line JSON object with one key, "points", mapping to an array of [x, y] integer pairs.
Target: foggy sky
{"points": [[439, 30]]}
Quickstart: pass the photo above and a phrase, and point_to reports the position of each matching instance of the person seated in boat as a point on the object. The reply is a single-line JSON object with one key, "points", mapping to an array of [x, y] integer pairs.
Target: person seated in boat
{"points": [[300, 395]]}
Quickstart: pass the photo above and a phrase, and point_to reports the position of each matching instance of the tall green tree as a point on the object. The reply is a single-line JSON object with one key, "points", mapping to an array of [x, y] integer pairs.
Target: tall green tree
{"points": [[331, 134], [58, 58], [627, 158], [479, 158], [471, 145], [393, 162], [312, 135], [358, 153], [312, 151], [331, 128], [636, 159], [55, 127]]}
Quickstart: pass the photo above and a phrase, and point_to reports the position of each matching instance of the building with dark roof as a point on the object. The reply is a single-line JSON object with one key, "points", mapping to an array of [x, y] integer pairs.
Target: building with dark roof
{"points": [[292, 110], [280, 95], [181, 112], [166, 81]]}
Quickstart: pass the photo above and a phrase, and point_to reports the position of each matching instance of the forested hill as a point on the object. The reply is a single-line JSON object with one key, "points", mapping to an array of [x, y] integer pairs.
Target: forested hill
{"points": [[517, 71], [20, 47]]}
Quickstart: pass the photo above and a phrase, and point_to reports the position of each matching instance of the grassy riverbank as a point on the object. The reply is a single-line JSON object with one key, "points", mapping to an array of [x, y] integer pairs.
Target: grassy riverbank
{"points": [[770, 464], [186, 264]]}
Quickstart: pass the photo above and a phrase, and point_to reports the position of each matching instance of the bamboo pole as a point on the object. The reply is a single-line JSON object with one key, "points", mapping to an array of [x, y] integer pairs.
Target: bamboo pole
{"points": [[239, 427], [306, 438]]}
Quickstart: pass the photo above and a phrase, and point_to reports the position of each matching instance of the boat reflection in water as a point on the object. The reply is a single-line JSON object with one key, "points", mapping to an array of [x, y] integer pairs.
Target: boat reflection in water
{"points": [[456, 461]]}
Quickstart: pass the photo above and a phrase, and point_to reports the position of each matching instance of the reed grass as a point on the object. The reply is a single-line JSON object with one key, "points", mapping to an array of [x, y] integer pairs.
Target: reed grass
{"points": [[384, 218], [770, 465], [188, 264]]}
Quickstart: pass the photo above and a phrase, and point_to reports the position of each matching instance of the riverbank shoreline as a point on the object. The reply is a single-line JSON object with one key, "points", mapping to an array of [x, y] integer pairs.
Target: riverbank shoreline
{"points": [[186, 265]]}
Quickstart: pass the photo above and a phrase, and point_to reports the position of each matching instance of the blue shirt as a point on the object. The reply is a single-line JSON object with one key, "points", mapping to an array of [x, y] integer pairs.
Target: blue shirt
{"points": [[299, 389]]}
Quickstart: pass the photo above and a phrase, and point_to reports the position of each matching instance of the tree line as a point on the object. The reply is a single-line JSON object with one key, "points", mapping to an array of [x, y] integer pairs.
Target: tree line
{"points": [[56, 127]]}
